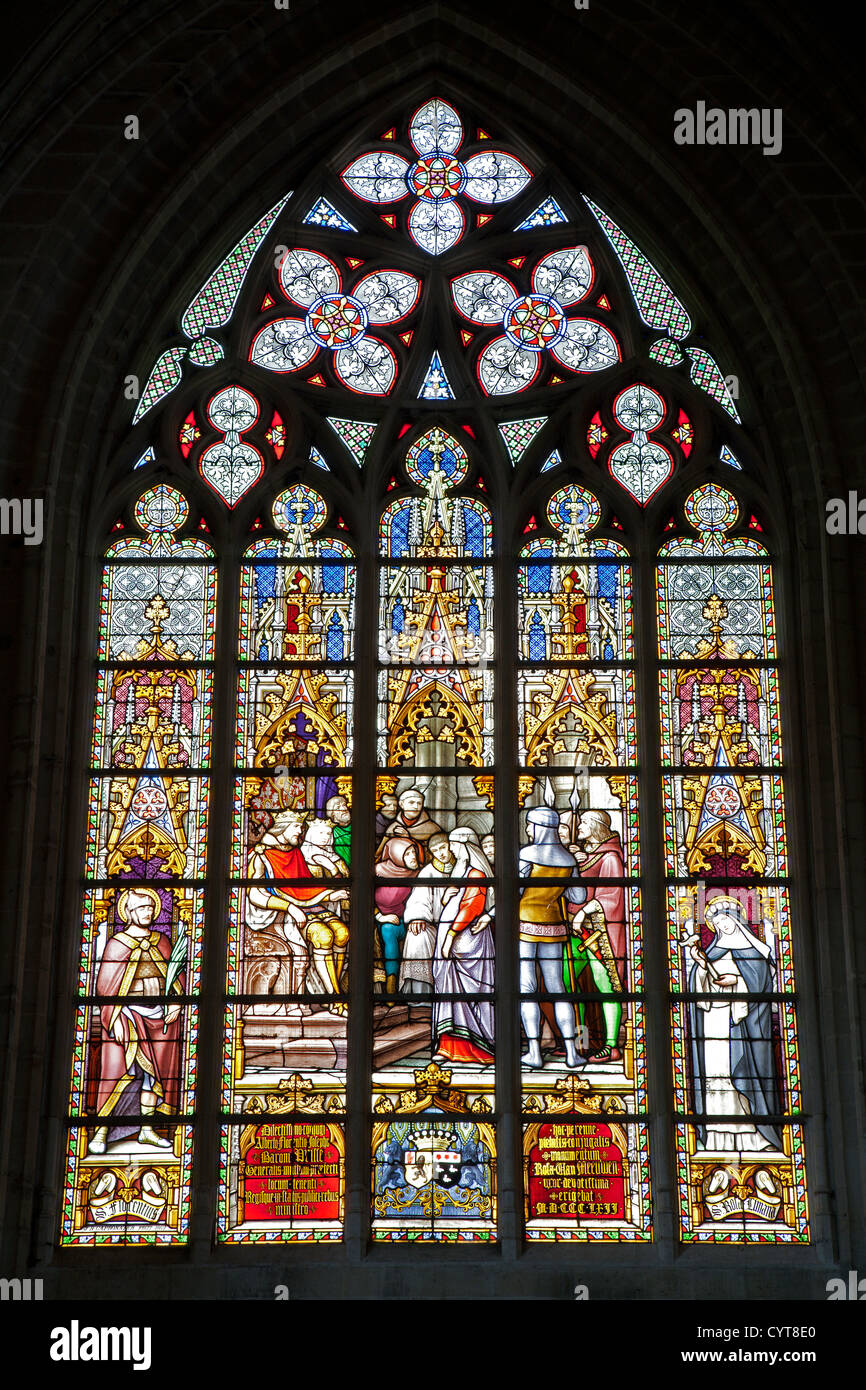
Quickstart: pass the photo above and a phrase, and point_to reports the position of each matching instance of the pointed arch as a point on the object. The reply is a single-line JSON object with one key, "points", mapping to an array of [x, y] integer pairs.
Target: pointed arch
{"points": [[555, 372]]}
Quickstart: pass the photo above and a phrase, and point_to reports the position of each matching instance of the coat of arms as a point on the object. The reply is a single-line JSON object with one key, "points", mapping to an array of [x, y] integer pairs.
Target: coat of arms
{"points": [[432, 1156]]}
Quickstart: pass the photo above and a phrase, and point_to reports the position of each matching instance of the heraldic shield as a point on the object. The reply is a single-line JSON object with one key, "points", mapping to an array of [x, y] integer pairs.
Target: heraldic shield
{"points": [[433, 1156]]}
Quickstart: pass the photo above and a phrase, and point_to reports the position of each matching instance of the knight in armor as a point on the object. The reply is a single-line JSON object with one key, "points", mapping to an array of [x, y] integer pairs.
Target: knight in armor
{"points": [[544, 930]]}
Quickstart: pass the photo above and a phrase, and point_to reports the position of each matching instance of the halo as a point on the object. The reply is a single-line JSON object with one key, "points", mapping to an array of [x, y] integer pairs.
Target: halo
{"points": [[151, 893], [723, 900]]}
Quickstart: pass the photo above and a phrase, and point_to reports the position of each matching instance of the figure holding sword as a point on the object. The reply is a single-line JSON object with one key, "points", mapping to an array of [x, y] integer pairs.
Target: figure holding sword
{"points": [[588, 948]]}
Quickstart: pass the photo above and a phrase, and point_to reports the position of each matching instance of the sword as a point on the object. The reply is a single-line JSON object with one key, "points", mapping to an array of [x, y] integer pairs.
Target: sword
{"points": [[595, 912]]}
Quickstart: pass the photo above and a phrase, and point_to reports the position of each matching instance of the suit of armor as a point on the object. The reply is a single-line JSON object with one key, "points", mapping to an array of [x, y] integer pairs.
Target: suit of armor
{"points": [[544, 929]]}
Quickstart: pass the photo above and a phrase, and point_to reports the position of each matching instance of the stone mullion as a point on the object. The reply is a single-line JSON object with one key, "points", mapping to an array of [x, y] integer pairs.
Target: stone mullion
{"points": [[662, 1150], [360, 1020], [206, 1129], [508, 1085]]}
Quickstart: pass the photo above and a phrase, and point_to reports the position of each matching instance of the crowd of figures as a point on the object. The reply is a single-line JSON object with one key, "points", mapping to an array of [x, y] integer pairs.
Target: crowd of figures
{"points": [[435, 921], [434, 915], [436, 938]]}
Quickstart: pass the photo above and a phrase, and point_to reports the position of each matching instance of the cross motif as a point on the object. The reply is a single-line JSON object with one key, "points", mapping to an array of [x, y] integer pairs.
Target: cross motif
{"points": [[158, 613], [715, 611]]}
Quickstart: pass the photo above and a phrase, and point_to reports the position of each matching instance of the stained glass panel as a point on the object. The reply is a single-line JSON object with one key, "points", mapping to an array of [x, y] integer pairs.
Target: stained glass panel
{"points": [[165, 376], [282, 1180], [216, 300], [586, 1179], [704, 372], [324, 214], [581, 971], [574, 860], [734, 1046], [641, 465], [547, 214], [283, 1166], [355, 434], [134, 1067], [436, 386], [657, 304], [434, 1174], [434, 956]]}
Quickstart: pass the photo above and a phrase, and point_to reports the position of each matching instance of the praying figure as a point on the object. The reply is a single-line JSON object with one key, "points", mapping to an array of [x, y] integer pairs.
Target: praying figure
{"points": [[733, 1066], [464, 959]]}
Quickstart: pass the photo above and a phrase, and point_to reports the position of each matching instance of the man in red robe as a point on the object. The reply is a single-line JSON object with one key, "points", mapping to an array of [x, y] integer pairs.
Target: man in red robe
{"points": [[298, 914], [140, 1047], [599, 857]]}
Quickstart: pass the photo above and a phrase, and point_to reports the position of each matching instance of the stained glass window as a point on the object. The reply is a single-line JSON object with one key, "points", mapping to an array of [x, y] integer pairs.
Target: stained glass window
{"points": [[419, 405]]}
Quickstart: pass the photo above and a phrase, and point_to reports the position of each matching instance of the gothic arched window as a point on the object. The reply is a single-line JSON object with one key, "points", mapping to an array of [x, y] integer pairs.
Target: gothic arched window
{"points": [[451, 447]]}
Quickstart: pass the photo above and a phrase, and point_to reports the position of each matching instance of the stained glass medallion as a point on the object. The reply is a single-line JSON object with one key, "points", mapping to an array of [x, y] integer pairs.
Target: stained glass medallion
{"points": [[535, 322], [436, 177], [337, 320]]}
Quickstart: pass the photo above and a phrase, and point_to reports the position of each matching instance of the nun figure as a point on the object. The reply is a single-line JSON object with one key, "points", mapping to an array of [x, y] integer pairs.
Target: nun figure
{"points": [[463, 961], [733, 1064]]}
